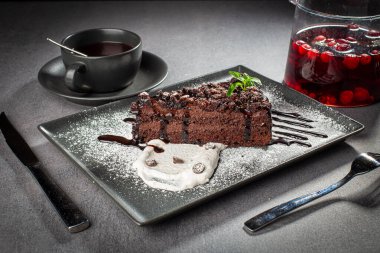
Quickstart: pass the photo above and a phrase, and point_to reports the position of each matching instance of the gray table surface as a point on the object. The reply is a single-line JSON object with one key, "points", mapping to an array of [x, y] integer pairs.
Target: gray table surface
{"points": [[195, 38]]}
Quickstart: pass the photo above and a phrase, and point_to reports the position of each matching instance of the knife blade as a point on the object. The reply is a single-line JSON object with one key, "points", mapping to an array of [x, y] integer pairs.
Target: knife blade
{"points": [[70, 214]]}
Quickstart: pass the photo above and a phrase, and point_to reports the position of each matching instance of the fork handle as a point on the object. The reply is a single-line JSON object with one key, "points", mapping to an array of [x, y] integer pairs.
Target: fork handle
{"points": [[261, 220]]}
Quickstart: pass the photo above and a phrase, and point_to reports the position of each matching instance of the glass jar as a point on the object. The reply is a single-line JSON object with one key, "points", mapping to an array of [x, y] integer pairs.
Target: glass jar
{"points": [[334, 52]]}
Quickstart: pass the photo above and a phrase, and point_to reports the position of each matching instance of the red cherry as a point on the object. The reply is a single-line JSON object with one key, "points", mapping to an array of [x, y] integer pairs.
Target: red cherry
{"points": [[322, 99], [351, 39], [326, 56], [342, 41], [312, 54], [373, 33], [331, 100], [297, 87], [329, 40], [302, 50], [365, 59], [351, 61], [297, 44], [320, 38], [300, 42], [331, 43], [342, 47], [346, 97], [361, 94], [289, 84], [294, 85], [376, 54], [312, 95], [294, 46], [353, 26]]}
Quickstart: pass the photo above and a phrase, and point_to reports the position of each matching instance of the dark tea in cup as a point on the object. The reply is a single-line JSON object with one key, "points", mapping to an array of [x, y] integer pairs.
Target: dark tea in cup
{"points": [[112, 62], [104, 48]]}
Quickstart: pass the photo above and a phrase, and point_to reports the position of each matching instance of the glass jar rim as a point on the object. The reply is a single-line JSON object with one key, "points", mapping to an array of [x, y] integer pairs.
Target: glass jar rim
{"points": [[331, 16]]}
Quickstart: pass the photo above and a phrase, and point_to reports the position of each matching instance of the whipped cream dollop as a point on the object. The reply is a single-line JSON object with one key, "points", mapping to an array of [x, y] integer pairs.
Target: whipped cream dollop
{"points": [[176, 167]]}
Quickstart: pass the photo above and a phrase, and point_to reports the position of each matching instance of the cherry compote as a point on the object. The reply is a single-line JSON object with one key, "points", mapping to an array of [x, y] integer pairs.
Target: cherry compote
{"points": [[338, 65]]}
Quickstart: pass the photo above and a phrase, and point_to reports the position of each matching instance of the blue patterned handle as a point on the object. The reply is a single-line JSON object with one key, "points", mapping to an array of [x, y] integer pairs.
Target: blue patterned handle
{"points": [[263, 219]]}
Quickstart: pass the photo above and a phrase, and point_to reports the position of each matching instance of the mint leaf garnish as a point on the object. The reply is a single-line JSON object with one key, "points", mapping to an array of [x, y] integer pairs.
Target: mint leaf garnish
{"points": [[243, 81]]}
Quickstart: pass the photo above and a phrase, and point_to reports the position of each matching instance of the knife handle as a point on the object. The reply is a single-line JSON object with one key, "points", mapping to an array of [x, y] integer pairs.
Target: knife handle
{"points": [[73, 218]]}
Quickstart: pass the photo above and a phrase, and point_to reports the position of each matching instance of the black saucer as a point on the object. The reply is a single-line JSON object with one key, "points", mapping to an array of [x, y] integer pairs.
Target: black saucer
{"points": [[153, 71]]}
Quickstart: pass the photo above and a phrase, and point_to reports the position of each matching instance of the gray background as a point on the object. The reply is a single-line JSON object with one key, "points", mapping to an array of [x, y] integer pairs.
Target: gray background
{"points": [[195, 38]]}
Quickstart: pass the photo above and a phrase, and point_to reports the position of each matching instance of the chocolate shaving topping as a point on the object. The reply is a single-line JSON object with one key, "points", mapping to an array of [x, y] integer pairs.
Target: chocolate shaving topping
{"points": [[177, 160], [151, 162], [144, 95], [169, 115], [213, 96], [134, 108], [198, 168], [210, 96]]}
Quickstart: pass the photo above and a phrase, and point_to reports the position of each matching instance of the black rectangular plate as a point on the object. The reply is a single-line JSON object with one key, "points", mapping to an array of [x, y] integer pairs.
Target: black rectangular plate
{"points": [[110, 165]]}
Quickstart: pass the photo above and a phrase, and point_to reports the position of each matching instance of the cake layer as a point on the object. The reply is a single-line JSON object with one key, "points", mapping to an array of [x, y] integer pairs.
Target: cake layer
{"points": [[204, 114], [246, 129]]}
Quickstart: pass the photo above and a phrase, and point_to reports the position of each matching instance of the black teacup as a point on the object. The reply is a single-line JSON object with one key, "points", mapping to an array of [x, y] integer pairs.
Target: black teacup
{"points": [[112, 62]]}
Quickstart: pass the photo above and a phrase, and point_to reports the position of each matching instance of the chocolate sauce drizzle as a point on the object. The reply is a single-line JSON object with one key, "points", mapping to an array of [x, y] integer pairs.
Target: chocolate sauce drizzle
{"points": [[247, 128], [166, 141], [128, 142], [185, 126], [163, 129], [288, 141], [283, 137], [132, 120], [292, 115], [315, 134], [247, 124], [118, 139], [156, 149], [295, 136], [294, 123]]}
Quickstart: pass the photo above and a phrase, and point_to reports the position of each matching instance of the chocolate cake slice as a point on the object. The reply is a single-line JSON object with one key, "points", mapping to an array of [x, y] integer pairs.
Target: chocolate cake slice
{"points": [[204, 114]]}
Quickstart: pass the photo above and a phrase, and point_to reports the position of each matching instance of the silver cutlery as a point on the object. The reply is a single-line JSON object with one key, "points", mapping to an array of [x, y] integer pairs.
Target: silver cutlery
{"points": [[362, 164], [70, 49], [73, 218]]}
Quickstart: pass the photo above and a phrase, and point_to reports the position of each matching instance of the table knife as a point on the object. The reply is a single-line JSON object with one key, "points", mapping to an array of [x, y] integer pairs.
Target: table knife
{"points": [[73, 218]]}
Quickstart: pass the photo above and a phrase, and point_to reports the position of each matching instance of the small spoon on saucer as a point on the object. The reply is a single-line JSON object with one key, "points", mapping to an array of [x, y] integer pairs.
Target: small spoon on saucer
{"points": [[70, 49], [363, 163]]}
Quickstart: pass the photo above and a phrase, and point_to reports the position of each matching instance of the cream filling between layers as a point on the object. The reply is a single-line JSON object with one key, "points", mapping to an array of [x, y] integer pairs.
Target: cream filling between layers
{"points": [[166, 170]]}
